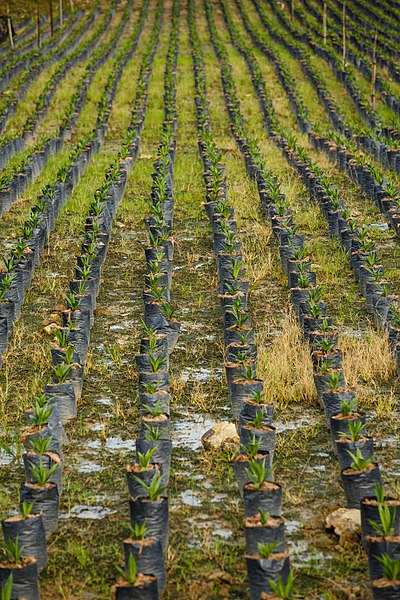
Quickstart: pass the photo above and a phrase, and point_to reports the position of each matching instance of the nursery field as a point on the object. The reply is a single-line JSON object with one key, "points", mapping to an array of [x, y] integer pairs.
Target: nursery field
{"points": [[199, 310]]}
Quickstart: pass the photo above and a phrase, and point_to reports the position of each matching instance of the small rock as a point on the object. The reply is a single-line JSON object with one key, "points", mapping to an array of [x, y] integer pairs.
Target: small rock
{"points": [[220, 435], [344, 521]]}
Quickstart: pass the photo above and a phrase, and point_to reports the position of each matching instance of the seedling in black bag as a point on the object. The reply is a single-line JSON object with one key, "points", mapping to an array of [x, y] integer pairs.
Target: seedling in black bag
{"points": [[237, 266], [252, 448], [40, 474], [62, 338], [265, 550], [6, 588], [41, 414], [230, 288], [154, 433], [41, 445], [6, 284], [391, 567], [63, 370], [283, 590], [157, 291], [8, 263], [264, 516], [131, 574], [156, 362], [150, 388], [355, 432], [325, 366], [168, 310], [73, 302], [334, 381], [19, 248], [156, 487], [248, 374], [12, 550], [387, 520], [26, 508], [315, 309], [347, 407], [359, 462], [257, 421], [156, 410], [258, 397], [145, 459], [299, 254], [138, 532], [257, 473]]}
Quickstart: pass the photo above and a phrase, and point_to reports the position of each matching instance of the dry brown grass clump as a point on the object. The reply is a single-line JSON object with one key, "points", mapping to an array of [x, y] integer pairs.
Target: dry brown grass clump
{"points": [[285, 365], [370, 368]]}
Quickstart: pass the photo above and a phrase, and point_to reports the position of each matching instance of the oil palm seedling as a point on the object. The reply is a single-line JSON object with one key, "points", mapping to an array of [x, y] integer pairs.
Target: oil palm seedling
{"points": [[21, 570], [359, 478], [152, 508]]}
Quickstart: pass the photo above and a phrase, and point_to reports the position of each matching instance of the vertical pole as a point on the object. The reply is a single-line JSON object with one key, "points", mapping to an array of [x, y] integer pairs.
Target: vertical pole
{"points": [[71, 5], [37, 25], [324, 24], [344, 34], [9, 26], [373, 74], [61, 14], [51, 17]]}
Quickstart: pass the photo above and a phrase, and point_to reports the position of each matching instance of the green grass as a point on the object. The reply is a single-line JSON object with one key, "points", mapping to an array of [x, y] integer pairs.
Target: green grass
{"points": [[205, 558]]}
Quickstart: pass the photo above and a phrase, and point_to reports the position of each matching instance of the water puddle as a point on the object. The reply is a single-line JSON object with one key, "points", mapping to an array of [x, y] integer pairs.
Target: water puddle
{"points": [[89, 466], [200, 374], [223, 533], [82, 511], [390, 440], [97, 427], [380, 226], [188, 431], [105, 401], [94, 444], [189, 498], [291, 526], [5, 458], [117, 444]]}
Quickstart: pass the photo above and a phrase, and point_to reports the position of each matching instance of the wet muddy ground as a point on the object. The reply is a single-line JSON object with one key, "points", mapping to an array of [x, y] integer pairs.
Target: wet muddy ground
{"points": [[205, 556]]}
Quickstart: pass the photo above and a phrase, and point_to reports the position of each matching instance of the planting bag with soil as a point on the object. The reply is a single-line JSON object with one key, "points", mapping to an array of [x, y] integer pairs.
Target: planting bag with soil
{"points": [[262, 570], [145, 588], [25, 579], [154, 513], [149, 558], [45, 501], [31, 536]]}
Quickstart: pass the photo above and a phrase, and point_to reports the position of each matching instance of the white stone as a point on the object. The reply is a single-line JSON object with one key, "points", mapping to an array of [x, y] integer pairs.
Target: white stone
{"points": [[219, 435], [344, 521]]}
